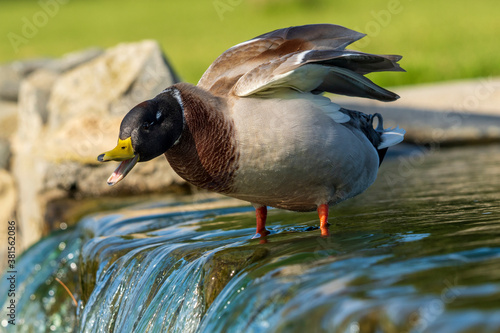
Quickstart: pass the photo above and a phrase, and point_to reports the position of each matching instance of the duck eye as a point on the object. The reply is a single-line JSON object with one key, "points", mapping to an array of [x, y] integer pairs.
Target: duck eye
{"points": [[147, 125]]}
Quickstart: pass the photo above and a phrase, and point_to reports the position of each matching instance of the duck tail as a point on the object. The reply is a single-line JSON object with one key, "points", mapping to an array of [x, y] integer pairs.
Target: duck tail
{"points": [[388, 136], [391, 137]]}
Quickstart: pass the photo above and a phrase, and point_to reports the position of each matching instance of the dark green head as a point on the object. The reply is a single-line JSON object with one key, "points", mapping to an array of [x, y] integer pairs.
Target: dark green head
{"points": [[154, 126], [147, 131]]}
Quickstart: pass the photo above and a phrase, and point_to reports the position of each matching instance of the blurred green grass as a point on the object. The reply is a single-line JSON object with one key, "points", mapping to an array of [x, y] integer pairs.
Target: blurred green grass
{"points": [[440, 40]]}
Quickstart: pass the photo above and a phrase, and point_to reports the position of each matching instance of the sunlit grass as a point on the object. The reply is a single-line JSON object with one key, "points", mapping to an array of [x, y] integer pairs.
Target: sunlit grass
{"points": [[439, 40]]}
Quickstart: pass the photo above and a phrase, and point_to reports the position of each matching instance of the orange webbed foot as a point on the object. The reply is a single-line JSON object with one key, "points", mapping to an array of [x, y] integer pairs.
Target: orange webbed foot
{"points": [[323, 220], [261, 217]]}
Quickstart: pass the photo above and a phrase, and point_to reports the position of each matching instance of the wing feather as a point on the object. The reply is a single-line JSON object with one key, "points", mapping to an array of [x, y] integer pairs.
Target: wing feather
{"points": [[310, 58]]}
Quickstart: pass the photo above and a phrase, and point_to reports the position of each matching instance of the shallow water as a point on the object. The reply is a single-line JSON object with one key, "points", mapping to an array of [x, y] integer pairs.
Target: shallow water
{"points": [[417, 252]]}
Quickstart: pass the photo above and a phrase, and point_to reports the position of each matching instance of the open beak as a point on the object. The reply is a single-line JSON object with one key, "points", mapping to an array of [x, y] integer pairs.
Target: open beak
{"points": [[122, 152]]}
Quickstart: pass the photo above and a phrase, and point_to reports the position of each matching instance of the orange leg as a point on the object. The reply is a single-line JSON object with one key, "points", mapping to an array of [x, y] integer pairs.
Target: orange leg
{"points": [[261, 216], [323, 219]]}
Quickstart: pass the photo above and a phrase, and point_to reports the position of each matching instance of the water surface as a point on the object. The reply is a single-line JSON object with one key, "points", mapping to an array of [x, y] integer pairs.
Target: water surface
{"points": [[417, 252]]}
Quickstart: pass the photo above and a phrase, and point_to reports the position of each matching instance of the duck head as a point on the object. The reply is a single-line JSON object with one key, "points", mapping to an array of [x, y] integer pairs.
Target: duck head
{"points": [[147, 131]]}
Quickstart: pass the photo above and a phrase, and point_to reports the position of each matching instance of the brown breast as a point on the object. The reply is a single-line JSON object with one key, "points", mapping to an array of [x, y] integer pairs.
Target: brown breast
{"points": [[206, 154]]}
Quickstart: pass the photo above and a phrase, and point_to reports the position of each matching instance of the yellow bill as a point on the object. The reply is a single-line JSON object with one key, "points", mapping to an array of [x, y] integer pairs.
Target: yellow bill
{"points": [[123, 152]]}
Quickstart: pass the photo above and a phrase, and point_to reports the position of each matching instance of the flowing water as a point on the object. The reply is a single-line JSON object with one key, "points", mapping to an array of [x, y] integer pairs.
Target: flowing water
{"points": [[417, 252]]}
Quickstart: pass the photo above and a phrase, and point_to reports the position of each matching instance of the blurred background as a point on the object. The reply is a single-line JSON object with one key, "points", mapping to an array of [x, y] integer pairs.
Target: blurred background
{"points": [[440, 40]]}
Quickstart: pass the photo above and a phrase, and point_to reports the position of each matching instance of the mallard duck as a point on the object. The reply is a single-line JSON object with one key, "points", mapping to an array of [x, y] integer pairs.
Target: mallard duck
{"points": [[257, 128]]}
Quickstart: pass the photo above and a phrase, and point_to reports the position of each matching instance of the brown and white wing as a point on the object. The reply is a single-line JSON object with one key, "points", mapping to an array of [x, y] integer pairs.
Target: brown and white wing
{"points": [[242, 58], [309, 58]]}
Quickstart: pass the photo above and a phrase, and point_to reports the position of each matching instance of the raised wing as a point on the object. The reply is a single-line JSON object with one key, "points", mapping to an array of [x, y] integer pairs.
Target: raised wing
{"points": [[310, 58]]}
